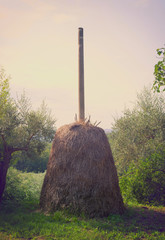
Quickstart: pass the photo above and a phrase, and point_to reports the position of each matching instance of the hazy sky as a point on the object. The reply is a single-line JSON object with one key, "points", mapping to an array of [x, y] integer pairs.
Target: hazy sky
{"points": [[39, 49]]}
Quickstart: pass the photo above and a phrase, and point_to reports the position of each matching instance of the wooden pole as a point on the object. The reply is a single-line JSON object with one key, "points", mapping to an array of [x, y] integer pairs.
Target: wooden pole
{"points": [[81, 75]]}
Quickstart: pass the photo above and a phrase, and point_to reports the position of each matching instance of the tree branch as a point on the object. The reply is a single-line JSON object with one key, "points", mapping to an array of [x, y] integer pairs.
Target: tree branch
{"points": [[19, 149], [16, 149], [30, 138]]}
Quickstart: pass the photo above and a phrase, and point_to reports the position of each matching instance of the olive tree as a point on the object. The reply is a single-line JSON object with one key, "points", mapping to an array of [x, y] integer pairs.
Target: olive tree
{"points": [[140, 131], [21, 127]]}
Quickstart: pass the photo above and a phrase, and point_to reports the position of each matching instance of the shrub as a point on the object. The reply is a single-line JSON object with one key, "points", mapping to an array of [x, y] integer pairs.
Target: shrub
{"points": [[23, 186], [145, 182]]}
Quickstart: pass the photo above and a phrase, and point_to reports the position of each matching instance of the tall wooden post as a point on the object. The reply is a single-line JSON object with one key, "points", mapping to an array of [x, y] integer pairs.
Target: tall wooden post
{"points": [[81, 75]]}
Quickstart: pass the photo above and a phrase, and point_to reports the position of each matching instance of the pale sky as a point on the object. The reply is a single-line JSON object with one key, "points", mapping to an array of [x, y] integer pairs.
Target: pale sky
{"points": [[39, 49]]}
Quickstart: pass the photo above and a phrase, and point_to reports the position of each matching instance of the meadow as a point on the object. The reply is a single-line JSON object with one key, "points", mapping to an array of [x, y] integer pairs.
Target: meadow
{"points": [[20, 217]]}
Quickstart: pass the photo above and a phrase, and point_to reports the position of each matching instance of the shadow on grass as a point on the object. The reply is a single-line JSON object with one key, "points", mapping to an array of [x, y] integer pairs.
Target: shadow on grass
{"points": [[148, 218], [136, 218]]}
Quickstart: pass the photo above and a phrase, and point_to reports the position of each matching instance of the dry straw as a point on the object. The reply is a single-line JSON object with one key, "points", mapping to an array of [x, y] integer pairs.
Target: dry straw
{"points": [[81, 175]]}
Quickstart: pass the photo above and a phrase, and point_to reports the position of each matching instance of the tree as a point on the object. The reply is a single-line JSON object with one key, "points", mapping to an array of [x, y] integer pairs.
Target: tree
{"points": [[159, 71], [21, 128], [140, 131]]}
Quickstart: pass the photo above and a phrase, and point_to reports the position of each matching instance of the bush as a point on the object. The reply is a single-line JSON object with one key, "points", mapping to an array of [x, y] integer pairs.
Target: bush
{"points": [[145, 182], [23, 186]]}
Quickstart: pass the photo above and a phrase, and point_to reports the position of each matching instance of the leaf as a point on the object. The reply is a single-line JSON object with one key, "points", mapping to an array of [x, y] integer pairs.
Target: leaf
{"points": [[156, 69], [159, 52]]}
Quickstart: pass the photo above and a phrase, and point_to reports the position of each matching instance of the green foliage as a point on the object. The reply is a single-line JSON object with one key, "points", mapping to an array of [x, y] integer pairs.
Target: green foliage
{"points": [[126, 187], [4, 89], [149, 180], [5, 103], [140, 131], [159, 71], [138, 146], [34, 128], [7, 108], [145, 182], [32, 162], [22, 187]]}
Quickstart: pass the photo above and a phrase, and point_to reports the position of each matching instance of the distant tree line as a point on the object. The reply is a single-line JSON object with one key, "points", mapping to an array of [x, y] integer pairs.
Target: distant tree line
{"points": [[32, 162]]}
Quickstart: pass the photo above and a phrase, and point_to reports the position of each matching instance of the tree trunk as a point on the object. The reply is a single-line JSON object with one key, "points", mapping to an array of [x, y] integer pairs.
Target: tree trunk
{"points": [[5, 162], [4, 165]]}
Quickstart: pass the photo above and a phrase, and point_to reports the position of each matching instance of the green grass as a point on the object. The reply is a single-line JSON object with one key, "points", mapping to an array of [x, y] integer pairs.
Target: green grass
{"points": [[17, 222], [23, 220]]}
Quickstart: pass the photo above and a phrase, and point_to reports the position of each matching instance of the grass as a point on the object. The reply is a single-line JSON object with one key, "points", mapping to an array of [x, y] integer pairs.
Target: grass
{"points": [[23, 220], [18, 222]]}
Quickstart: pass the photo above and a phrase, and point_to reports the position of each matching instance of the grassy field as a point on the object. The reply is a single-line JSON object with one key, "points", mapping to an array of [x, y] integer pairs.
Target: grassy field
{"points": [[23, 220]]}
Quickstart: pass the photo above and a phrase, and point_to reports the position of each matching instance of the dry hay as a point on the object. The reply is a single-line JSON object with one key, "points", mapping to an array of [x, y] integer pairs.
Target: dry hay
{"points": [[81, 175]]}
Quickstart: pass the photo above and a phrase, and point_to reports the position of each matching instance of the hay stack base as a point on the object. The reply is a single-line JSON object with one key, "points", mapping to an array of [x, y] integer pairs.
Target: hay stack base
{"points": [[81, 175]]}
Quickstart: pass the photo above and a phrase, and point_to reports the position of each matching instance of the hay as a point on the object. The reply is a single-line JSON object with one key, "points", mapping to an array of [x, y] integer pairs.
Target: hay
{"points": [[81, 175]]}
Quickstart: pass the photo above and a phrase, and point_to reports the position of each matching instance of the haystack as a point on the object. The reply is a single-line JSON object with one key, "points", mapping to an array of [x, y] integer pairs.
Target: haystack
{"points": [[81, 175]]}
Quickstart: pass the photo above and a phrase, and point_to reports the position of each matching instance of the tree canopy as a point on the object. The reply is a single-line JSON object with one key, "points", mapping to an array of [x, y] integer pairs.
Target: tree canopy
{"points": [[140, 131]]}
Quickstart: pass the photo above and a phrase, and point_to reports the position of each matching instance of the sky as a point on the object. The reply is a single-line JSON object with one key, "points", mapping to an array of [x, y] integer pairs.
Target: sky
{"points": [[39, 50]]}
